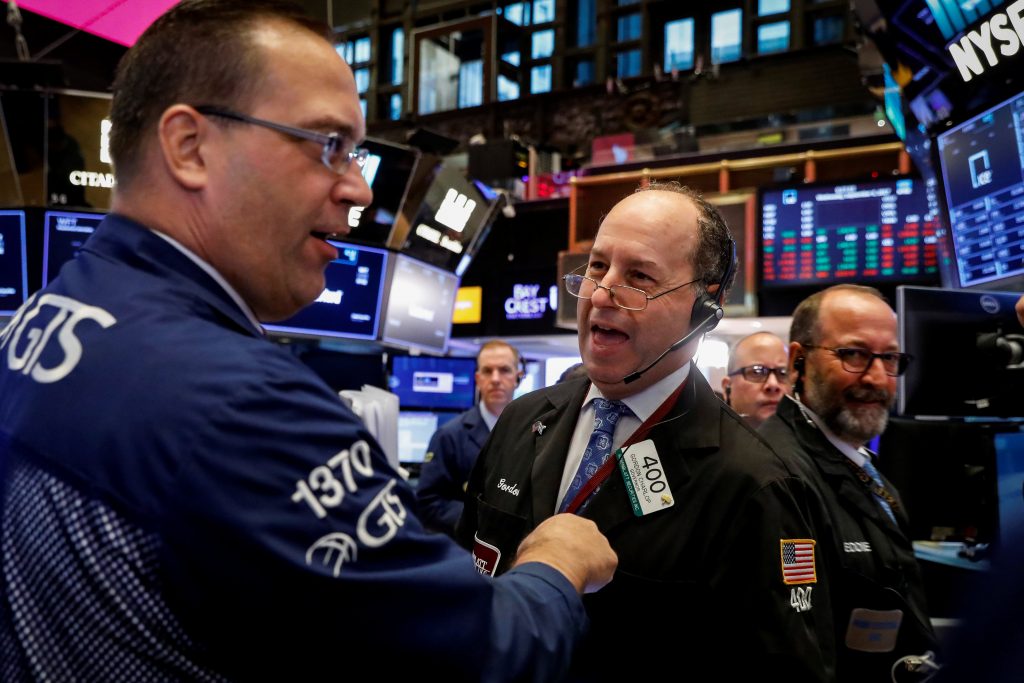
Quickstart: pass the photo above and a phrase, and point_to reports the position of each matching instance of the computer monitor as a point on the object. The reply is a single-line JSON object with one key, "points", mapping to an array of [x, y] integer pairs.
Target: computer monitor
{"points": [[420, 302], [64, 233], [431, 382], [968, 353], [874, 232], [982, 171], [415, 427], [350, 305], [13, 262]]}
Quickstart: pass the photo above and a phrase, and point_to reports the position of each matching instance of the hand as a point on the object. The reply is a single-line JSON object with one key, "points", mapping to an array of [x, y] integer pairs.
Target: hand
{"points": [[574, 547]]}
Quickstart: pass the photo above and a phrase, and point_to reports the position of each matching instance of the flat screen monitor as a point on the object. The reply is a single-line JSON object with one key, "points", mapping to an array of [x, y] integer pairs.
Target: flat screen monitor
{"points": [[1009, 448], [967, 349], [421, 299], [429, 382], [875, 232], [388, 170], [982, 168], [64, 233], [415, 427], [455, 213], [13, 262], [350, 305]]}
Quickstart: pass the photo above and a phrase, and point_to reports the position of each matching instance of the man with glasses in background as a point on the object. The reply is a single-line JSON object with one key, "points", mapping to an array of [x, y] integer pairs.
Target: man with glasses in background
{"points": [[697, 507], [757, 378], [844, 361], [182, 498]]}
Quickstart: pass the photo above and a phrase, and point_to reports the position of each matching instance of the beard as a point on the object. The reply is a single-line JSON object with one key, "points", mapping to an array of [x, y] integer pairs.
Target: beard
{"points": [[852, 424]]}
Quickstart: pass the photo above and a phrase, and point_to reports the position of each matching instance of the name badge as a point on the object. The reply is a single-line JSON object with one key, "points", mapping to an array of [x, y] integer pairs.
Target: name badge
{"points": [[645, 478], [873, 630]]}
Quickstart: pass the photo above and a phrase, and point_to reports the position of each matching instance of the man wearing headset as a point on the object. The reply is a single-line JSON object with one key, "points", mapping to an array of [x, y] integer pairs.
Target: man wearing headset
{"points": [[454, 447], [704, 517], [757, 378], [845, 358]]}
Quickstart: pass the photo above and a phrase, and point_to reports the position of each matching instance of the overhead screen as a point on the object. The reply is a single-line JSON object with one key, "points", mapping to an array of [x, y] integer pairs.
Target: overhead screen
{"points": [[454, 215], [420, 302], [13, 261], [350, 305], [388, 169], [64, 233], [882, 231], [981, 162]]}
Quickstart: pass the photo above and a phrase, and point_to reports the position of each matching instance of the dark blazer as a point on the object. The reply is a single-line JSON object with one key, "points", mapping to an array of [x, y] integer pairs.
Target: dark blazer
{"points": [[699, 593], [451, 453], [870, 560]]}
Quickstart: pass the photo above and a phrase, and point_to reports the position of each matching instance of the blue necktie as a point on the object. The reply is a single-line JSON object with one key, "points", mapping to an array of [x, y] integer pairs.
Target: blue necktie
{"points": [[606, 416], [872, 471]]}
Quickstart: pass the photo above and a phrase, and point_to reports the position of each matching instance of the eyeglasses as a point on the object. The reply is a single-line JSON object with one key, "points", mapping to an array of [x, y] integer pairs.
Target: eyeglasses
{"points": [[623, 296], [859, 360], [338, 151], [759, 374]]}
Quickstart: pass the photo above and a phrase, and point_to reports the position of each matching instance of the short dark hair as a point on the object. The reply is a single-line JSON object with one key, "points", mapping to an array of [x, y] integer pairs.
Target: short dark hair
{"points": [[499, 344], [804, 328], [710, 260], [198, 52]]}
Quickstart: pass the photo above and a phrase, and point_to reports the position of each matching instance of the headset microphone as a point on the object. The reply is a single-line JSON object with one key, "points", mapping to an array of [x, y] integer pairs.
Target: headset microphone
{"points": [[708, 322]]}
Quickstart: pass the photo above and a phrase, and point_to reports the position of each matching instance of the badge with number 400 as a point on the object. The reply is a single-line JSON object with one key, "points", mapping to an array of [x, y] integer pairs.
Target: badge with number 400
{"points": [[645, 478]]}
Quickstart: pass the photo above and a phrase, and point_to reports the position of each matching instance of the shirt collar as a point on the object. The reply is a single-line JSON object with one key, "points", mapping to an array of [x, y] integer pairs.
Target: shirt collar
{"points": [[489, 418], [209, 270], [644, 404]]}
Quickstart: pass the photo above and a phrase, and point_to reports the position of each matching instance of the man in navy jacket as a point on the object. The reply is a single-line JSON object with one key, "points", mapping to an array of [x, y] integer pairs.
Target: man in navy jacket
{"points": [[454, 447]]}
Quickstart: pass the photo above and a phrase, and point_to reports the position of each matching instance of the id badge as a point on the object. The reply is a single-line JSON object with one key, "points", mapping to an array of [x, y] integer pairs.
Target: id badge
{"points": [[873, 630], [645, 478]]}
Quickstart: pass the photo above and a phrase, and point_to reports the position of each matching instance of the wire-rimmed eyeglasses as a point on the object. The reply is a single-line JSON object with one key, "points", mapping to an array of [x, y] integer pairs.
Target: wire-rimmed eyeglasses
{"points": [[338, 151], [859, 360], [623, 296], [759, 374]]}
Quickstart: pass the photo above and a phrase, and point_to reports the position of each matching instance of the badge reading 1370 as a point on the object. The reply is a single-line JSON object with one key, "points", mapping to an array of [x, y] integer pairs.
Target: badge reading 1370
{"points": [[645, 478]]}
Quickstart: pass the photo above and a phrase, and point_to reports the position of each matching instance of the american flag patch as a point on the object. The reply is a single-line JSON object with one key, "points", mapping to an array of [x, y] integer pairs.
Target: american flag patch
{"points": [[797, 561]]}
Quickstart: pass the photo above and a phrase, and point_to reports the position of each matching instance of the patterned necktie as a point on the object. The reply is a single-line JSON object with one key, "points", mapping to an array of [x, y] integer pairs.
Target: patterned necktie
{"points": [[872, 471], [606, 416]]}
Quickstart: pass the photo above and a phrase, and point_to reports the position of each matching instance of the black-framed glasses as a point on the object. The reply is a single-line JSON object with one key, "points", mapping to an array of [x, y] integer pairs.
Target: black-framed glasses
{"points": [[759, 374], [859, 360], [338, 151], [623, 296]]}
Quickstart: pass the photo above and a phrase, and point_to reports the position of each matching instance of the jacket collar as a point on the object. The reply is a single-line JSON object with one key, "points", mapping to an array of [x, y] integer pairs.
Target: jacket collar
{"points": [[124, 240]]}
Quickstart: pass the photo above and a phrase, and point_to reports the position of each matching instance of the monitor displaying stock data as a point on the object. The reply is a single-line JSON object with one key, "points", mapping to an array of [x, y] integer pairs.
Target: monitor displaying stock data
{"points": [[874, 232]]}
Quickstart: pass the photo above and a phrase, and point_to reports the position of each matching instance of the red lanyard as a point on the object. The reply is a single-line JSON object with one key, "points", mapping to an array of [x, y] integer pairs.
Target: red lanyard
{"points": [[606, 469]]}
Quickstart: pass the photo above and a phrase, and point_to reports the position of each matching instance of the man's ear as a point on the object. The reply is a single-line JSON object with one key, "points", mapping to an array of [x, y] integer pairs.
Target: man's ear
{"points": [[183, 132]]}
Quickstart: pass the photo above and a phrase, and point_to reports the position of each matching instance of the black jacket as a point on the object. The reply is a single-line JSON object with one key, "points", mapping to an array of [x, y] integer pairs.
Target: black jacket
{"points": [[869, 559], [699, 593]]}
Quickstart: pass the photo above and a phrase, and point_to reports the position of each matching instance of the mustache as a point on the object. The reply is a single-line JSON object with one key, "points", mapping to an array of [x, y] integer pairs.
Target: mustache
{"points": [[867, 395]]}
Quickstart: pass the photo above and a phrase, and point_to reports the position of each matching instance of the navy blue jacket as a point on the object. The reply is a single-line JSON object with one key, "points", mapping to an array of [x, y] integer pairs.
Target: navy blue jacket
{"points": [[184, 499], [451, 454]]}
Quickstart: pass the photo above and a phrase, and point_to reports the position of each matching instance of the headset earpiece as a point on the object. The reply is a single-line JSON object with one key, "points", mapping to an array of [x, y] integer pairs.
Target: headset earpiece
{"points": [[521, 370], [707, 310], [798, 364], [728, 394]]}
